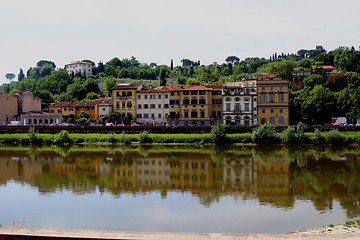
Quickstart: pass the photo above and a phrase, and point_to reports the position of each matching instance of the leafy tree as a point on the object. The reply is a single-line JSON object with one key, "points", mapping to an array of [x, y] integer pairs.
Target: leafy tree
{"points": [[41, 63], [45, 70], [162, 76], [314, 80], [336, 81], [109, 83], [232, 59], [100, 68], [46, 98], [10, 76], [283, 69], [187, 62], [124, 73], [21, 75], [304, 63], [92, 85], [115, 62], [110, 70], [153, 65], [324, 59], [77, 90], [91, 96], [115, 117]]}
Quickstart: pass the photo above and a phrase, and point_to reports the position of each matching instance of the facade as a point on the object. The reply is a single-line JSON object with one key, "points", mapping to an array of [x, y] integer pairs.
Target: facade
{"points": [[240, 103], [27, 102], [216, 101], [152, 105], [273, 100], [40, 118], [8, 108], [190, 106], [92, 108], [84, 68], [123, 98]]}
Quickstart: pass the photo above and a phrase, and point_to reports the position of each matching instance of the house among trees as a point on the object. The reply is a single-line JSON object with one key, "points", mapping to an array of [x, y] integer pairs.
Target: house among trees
{"points": [[84, 68]]}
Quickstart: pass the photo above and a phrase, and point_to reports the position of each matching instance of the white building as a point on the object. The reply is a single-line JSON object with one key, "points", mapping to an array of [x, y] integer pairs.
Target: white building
{"points": [[240, 103], [152, 105], [85, 68]]}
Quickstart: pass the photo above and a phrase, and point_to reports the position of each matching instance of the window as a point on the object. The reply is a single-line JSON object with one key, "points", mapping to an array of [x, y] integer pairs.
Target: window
{"points": [[271, 88], [237, 107], [263, 88], [272, 120], [246, 107], [281, 88], [159, 115], [59, 110], [146, 106], [123, 104], [272, 110], [185, 101], [186, 93], [139, 96], [272, 97], [247, 99], [201, 92], [194, 101], [159, 96], [166, 105], [263, 98], [202, 113], [237, 99], [281, 111], [202, 101], [228, 99], [152, 106], [193, 92], [145, 96], [159, 105], [129, 93], [186, 114], [146, 115], [123, 94], [166, 96], [138, 115], [281, 97], [152, 115], [129, 104], [228, 107], [263, 111], [117, 105], [166, 115], [194, 114], [139, 106], [281, 120], [254, 99]]}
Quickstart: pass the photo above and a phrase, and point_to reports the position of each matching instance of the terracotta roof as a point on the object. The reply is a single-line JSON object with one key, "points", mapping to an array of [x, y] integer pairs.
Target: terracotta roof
{"points": [[36, 113], [78, 62], [150, 89], [326, 67], [81, 104], [127, 86], [267, 75]]}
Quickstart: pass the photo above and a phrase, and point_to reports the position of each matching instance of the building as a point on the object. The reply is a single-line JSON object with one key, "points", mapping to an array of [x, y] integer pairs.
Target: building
{"points": [[123, 98], [27, 102], [240, 103], [39, 118], [190, 106], [8, 108], [92, 108], [273, 100], [83, 68], [152, 105], [216, 100]]}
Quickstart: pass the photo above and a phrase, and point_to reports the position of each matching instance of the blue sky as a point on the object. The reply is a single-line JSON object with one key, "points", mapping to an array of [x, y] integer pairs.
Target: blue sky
{"points": [[159, 30]]}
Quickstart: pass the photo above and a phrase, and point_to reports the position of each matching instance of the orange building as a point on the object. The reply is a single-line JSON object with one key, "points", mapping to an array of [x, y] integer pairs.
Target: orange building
{"points": [[76, 108]]}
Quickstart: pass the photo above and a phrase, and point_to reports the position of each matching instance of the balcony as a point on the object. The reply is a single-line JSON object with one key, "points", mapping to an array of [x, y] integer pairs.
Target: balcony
{"points": [[123, 97]]}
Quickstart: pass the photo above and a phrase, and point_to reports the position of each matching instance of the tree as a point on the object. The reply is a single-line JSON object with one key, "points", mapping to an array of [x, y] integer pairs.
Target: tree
{"points": [[109, 83], [232, 59], [314, 80], [77, 90], [92, 85], [91, 96], [10, 76], [283, 69], [162, 76], [21, 75], [171, 65], [100, 68], [187, 62], [153, 65], [43, 62]]}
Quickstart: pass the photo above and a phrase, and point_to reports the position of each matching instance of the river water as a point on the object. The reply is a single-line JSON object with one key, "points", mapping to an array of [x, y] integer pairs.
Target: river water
{"points": [[179, 189]]}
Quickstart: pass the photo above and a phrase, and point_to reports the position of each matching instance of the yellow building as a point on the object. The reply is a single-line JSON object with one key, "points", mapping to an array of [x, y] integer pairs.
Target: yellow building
{"points": [[190, 105], [273, 100], [123, 98]]}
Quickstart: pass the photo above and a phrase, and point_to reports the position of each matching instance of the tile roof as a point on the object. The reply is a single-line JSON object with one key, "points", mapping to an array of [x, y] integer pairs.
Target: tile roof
{"points": [[127, 86], [150, 89]]}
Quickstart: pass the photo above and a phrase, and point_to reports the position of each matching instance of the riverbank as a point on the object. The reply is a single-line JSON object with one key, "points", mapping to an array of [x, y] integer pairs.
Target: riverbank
{"points": [[329, 233], [343, 138]]}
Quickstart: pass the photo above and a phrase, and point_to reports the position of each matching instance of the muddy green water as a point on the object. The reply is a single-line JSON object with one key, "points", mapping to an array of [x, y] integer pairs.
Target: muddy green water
{"points": [[179, 189]]}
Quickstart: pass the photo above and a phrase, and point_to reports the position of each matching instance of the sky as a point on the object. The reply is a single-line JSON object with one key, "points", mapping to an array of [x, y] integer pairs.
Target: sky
{"points": [[159, 30]]}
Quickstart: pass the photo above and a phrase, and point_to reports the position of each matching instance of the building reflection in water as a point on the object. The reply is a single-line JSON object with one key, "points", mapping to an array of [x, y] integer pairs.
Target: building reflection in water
{"points": [[271, 181]]}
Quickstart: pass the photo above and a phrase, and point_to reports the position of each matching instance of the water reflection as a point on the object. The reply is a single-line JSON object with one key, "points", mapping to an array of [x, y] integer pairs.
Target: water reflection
{"points": [[274, 176]]}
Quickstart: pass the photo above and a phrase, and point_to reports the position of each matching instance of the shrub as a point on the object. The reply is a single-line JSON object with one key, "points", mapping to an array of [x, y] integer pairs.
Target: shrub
{"points": [[62, 137], [264, 134], [144, 137], [318, 138], [33, 136], [112, 138], [289, 136], [124, 138], [334, 137], [218, 134]]}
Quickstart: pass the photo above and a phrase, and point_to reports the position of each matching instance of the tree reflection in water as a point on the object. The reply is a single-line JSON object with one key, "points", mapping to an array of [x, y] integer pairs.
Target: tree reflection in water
{"points": [[276, 176]]}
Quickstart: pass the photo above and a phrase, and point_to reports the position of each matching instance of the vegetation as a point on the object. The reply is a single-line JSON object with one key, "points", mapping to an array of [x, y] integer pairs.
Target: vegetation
{"points": [[218, 134], [265, 134]]}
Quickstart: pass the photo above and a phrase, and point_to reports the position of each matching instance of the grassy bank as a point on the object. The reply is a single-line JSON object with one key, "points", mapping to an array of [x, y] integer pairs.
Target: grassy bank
{"points": [[206, 138]]}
